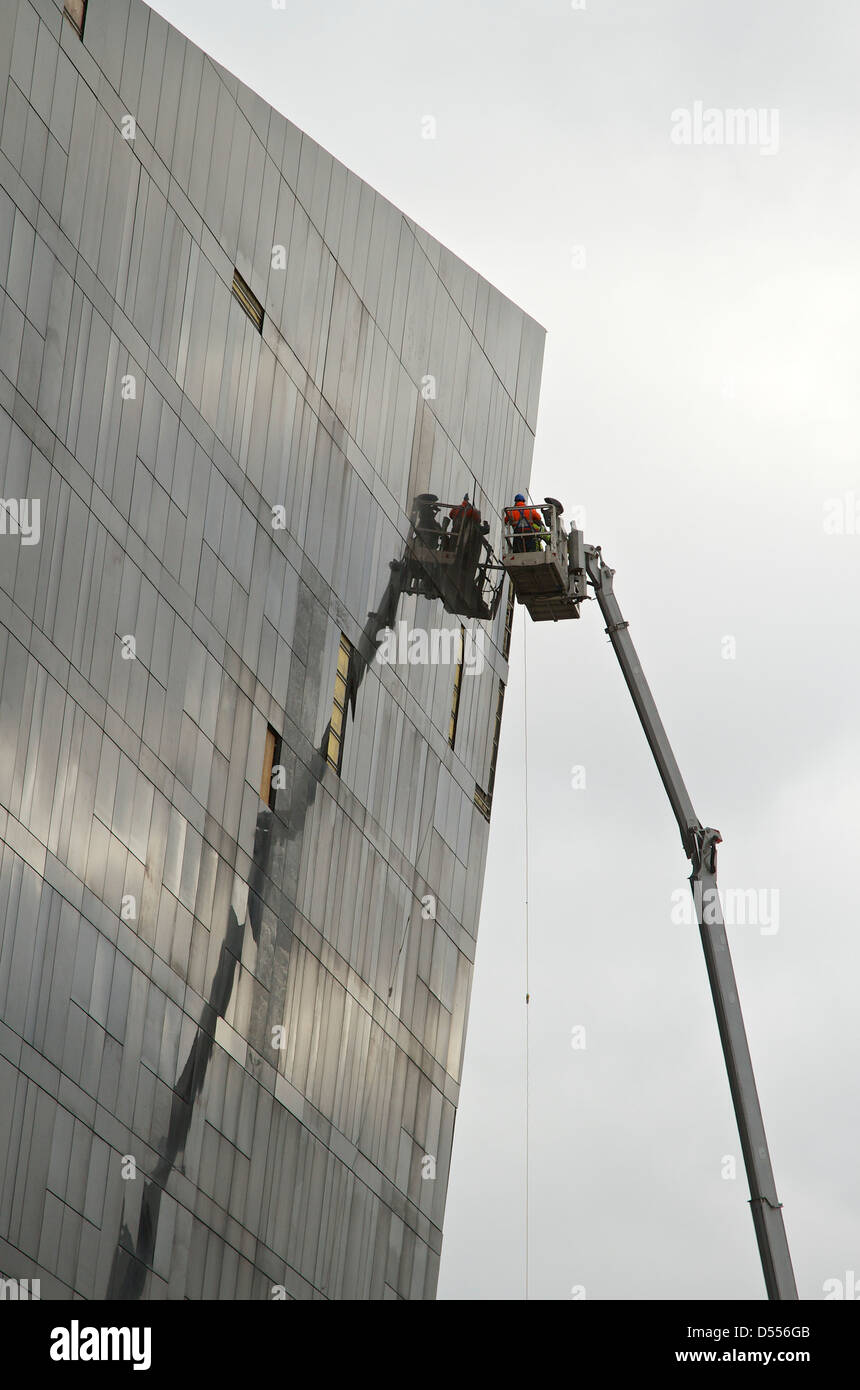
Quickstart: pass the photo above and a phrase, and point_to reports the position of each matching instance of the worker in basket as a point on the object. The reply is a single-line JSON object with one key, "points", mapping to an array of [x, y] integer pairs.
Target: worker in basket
{"points": [[463, 511], [427, 528], [467, 528], [524, 521], [463, 517]]}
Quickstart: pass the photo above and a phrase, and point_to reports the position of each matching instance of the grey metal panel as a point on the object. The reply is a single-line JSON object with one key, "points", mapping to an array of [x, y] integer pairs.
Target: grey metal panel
{"points": [[151, 76], [82, 124], [63, 101], [24, 47], [112, 25], [14, 125], [169, 94], [44, 73], [20, 260], [226, 119]]}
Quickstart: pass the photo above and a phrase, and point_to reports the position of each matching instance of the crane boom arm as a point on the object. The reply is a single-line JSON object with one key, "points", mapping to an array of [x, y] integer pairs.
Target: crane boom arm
{"points": [[700, 846]]}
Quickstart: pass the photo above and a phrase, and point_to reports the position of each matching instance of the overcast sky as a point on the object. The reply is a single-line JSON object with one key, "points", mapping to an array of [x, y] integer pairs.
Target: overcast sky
{"points": [[699, 401]]}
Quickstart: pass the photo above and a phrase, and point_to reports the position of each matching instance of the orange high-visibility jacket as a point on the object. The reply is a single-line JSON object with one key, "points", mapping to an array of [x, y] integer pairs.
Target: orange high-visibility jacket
{"points": [[468, 513], [523, 518]]}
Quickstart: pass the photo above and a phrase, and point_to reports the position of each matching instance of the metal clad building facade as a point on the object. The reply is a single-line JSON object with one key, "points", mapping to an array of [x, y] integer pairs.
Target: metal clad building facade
{"points": [[240, 860]]}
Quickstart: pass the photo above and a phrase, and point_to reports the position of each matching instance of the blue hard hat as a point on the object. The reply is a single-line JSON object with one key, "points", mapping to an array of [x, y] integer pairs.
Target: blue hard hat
{"points": [[519, 497]]}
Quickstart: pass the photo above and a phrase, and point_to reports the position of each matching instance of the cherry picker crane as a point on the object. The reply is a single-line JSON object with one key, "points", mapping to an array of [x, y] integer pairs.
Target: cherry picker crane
{"points": [[551, 581]]}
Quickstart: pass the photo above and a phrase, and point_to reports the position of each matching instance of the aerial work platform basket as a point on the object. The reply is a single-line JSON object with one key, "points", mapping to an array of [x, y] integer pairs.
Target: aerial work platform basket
{"points": [[546, 565], [452, 560]]}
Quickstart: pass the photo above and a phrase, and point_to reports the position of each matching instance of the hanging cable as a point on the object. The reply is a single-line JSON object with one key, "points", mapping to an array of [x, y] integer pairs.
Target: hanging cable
{"points": [[526, 819]]}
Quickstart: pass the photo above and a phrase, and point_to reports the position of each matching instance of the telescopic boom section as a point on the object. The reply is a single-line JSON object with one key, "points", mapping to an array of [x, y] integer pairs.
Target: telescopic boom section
{"points": [[700, 846]]}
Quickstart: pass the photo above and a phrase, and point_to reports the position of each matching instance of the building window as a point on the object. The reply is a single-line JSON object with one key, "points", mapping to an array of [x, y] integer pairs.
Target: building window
{"points": [[271, 760], [497, 733], [455, 698], [334, 746], [248, 300], [76, 12], [484, 799], [509, 623]]}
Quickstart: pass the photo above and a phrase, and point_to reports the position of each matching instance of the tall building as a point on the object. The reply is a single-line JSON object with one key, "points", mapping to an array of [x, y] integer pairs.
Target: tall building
{"points": [[241, 856]]}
